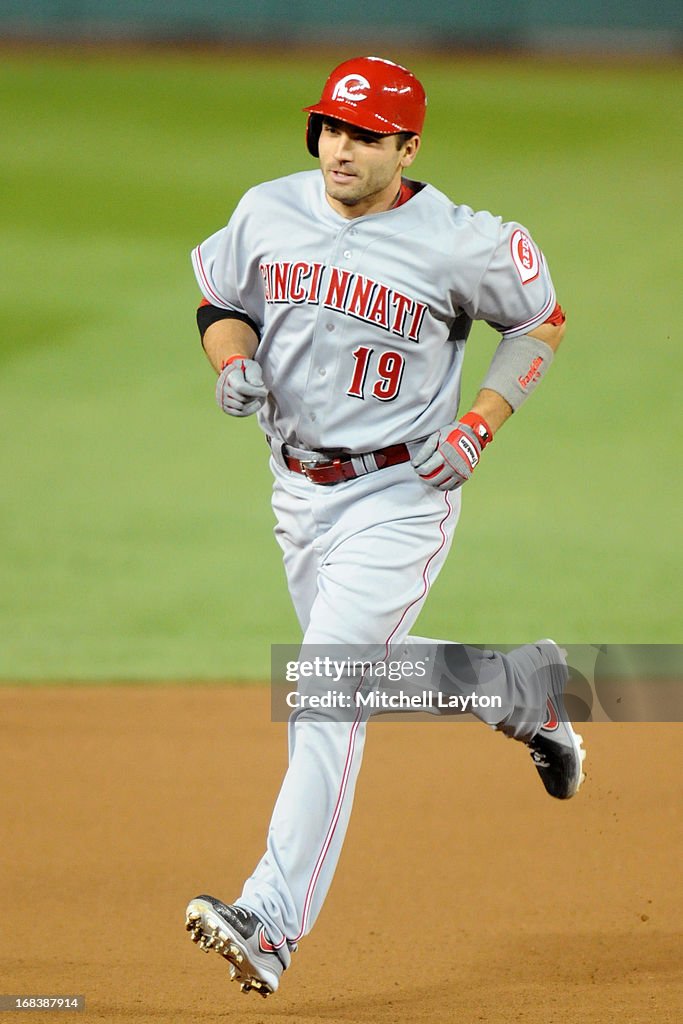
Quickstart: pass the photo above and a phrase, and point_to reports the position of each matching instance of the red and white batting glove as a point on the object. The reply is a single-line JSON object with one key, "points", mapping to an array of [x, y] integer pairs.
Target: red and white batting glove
{"points": [[449, 456], [240, 390]]}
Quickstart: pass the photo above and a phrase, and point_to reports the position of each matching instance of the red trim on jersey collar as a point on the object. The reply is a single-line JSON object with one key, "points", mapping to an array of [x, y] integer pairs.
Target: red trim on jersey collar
{"points": [[406, 192]]}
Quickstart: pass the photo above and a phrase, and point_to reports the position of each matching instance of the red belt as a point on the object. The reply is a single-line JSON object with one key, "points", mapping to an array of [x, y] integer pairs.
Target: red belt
{"points": [[334, 470]]}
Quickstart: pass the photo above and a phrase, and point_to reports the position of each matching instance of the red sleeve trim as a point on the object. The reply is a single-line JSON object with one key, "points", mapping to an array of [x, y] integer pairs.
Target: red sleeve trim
{"points": [[557, 317]]}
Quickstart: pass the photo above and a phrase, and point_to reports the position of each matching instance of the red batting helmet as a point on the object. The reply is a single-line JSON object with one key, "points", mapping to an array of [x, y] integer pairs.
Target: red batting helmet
{"points": [[370, 93]]}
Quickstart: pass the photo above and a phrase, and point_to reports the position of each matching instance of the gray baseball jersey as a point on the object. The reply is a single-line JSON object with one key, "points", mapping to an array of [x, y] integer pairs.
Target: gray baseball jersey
{"points": [[363, 322]]}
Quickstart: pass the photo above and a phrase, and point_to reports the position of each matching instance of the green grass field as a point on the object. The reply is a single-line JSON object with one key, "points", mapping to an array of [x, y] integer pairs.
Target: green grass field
{"points": [[134, 517]]}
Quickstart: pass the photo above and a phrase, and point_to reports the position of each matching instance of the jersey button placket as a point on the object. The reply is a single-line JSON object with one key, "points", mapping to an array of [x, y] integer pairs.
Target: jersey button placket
{"points": [[318, 386]]}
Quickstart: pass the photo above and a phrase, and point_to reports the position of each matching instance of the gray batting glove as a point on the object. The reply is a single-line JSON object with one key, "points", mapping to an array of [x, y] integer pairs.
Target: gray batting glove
{"points": [[240, 390], [450, 455]]}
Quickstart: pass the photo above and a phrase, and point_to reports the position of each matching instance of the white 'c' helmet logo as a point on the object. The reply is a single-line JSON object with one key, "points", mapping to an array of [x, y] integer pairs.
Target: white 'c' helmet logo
{"points": [[351, 87]]}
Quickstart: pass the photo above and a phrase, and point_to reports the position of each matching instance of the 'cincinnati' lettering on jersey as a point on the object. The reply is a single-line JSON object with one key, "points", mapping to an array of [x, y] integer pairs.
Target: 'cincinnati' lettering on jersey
{"points": [[346, 292]]}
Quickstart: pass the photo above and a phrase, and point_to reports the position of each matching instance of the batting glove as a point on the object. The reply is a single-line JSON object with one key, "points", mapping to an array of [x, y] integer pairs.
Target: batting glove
{"points": [[449, 456], [240, 390]]}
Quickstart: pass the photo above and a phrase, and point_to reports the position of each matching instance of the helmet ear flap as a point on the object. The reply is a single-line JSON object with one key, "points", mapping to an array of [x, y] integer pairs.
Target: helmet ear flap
{"points": [[314, 126]]}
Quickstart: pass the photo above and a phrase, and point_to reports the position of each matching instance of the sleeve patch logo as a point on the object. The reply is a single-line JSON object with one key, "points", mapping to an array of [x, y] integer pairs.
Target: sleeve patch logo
{"points": [[351, 88], [524, 256]]}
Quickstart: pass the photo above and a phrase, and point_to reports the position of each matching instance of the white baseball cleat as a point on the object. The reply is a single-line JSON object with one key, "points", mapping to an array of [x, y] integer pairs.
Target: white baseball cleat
{"points": [[238, 936], [556, 749]]}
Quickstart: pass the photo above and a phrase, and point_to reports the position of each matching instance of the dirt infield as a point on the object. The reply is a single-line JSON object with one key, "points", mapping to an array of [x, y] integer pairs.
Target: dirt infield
{"points": [[464, 893]]}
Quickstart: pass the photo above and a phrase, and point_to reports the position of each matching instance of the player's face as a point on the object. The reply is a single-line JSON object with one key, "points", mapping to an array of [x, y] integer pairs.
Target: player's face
{"points": [[362, 171]]}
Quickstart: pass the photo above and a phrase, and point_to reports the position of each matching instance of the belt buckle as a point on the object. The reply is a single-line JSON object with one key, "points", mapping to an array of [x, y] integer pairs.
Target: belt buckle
{"points": [[309, 467]]}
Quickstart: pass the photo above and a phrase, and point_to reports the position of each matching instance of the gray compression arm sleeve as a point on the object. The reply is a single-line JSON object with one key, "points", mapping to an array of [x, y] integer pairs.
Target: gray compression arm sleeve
{"points": [[517, 367]]}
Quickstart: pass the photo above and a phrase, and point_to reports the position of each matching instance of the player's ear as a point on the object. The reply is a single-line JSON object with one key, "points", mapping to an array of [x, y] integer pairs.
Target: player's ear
{"points": [[409, 150]]}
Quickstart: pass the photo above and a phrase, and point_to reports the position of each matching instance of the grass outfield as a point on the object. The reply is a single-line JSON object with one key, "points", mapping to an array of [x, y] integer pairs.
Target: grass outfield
{"points": [[135, 519]]}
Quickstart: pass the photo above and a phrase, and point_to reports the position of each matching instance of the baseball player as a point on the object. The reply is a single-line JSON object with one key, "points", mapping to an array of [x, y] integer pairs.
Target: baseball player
{"points": [[337, 304]]}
